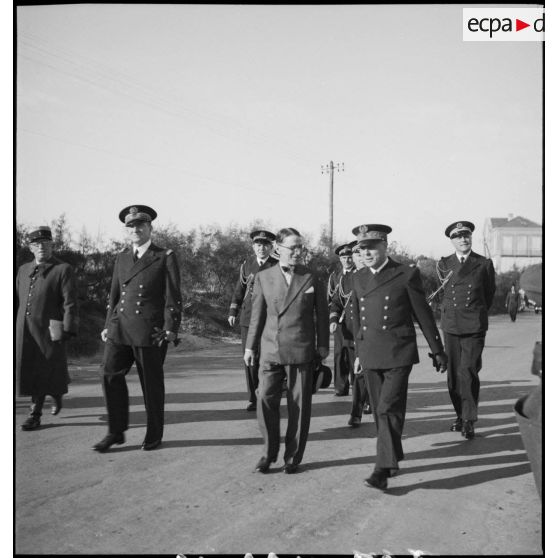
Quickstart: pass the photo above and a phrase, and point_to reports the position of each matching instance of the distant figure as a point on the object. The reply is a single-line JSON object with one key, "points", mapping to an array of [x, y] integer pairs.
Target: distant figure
{"points": [[143, 316], [512, 303], [468, 294], [289, 323], [46, 319], [262, 244]]}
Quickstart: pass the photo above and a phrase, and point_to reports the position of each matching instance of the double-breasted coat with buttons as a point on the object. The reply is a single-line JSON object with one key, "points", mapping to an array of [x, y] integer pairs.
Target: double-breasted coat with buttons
{"points": [[144, 297], [468, 294], [384, 307], [49, 293]]}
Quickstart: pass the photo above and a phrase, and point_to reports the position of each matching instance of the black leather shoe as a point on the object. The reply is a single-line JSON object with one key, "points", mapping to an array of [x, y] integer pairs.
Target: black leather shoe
{"points": [[262, 466], [468, 430], [109, 440], [148, 446], [290, 468], [56, 404], [251, 406], [378, 479], [457, 425], [341, 393], [32, 423], [354, 421], [367, 410]]}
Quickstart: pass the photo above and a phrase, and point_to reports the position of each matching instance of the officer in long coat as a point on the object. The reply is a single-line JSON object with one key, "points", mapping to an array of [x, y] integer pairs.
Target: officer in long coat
{"points": [[241, 303], [289, 323], [386, 296], [343, 348], [46, 318], [469, 287], [143, 316], [341, 325]]}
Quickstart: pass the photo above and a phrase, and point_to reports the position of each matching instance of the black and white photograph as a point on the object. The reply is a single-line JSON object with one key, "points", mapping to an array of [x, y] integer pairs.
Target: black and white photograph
{"points": [[278, 276]]}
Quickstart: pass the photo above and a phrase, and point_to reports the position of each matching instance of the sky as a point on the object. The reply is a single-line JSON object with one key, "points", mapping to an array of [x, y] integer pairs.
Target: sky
{"points": [[226, 114]]}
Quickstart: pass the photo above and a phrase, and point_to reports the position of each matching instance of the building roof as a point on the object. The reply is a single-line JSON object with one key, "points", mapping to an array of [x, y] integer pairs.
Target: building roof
{"points": [[518, 221]]}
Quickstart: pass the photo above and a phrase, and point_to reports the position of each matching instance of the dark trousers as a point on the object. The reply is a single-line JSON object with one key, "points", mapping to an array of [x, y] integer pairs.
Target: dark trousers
{"points": [[37, 402], [250, 371], [464, 364], [388, 391], [341, 362], [118, 360], [299, 408], [360, 395]]}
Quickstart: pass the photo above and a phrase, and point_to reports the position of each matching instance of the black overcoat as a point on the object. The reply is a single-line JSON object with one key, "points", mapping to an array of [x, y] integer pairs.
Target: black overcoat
{"points": [[50, 294]]}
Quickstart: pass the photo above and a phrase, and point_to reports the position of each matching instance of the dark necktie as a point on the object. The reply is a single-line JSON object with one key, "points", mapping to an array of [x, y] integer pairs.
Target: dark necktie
{"points": [[136, 255], [462, 260]]}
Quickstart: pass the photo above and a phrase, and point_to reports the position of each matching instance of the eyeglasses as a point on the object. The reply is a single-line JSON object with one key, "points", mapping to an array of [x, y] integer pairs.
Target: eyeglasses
{"points": [[298, 247], [461, 235]]}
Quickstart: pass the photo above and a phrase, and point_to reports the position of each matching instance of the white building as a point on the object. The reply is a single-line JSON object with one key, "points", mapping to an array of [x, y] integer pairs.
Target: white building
{"points": [[512, 241]]}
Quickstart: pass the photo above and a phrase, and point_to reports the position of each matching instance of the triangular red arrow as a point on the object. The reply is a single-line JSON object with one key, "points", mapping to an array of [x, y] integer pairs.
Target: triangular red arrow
{"points": [[519, 25]]}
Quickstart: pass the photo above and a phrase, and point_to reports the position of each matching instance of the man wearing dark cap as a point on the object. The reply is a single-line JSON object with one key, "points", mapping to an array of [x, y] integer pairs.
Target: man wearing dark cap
{"points": [[469, 286], [289, 322], [386, 297], [343, 346], [262, 244], [341, 325], [46, 319], [144, 313]]}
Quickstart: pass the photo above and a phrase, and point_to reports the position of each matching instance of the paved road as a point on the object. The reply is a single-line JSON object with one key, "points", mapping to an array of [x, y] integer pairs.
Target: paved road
{"points": [[198, 494]]}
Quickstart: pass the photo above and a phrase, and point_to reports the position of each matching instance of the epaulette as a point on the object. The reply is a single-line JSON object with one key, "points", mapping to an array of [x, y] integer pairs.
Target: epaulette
{"points": [[169, 252], [412, 265]]}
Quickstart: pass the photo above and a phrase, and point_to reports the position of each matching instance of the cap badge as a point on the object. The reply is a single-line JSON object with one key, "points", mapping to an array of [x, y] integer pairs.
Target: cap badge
{"points": [[133, 210], [362, 229], [459, 225]]}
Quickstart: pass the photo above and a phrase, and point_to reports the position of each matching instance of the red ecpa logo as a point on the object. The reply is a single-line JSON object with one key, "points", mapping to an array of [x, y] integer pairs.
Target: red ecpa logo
{"points": [[493, 25]]}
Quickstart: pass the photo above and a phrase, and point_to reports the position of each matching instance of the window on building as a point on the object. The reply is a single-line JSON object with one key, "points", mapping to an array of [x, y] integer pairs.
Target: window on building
{"points": [[521, 245], [536, 246], [507, 245]]}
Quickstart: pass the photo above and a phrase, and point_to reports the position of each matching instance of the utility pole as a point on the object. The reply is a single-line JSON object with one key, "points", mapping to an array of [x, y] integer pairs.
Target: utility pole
{"points": [[329, 169]]}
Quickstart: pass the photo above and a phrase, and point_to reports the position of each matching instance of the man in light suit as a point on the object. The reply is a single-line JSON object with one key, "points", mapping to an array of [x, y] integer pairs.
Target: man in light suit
{"points": [[143, 316], [469, 287], [386, 297], [289, 323]]}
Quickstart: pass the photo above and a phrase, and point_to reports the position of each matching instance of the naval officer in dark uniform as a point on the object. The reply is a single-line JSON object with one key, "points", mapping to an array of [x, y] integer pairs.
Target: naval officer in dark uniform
{"points": [[469, 287], [241, 303], [343, 353], [386, 297], [341, 325], [144, 313]]}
